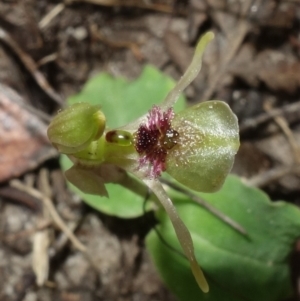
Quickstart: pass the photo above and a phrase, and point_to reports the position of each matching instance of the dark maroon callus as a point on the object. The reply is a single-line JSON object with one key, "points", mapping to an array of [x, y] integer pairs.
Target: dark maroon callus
{"points": [[154, 139]]}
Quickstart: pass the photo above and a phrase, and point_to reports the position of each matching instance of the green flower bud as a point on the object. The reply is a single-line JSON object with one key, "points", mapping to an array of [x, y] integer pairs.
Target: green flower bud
{"points": [[74, 128]]}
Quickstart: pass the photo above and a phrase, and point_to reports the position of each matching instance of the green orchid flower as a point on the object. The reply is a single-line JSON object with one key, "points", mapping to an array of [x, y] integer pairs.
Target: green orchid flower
{"points": [[196, 146]]}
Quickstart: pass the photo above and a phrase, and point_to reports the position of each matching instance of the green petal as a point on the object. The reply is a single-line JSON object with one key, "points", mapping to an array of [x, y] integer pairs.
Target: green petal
{"points": [[209, 139]]}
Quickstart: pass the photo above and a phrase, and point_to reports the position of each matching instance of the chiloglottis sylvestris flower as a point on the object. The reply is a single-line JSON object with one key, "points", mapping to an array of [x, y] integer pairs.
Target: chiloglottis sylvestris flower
{"points": [[196, 146]]}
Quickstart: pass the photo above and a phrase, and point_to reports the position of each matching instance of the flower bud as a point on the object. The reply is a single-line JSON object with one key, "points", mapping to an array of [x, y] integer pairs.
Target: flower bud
{"points": [[74, 128]]}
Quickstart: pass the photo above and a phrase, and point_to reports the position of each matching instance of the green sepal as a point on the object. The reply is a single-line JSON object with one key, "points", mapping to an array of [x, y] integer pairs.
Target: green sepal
{"points": [[74, 128]]}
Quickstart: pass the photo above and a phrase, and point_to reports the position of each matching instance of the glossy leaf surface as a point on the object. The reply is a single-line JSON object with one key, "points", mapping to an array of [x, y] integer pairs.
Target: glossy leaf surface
{"points": [[238, 268]]}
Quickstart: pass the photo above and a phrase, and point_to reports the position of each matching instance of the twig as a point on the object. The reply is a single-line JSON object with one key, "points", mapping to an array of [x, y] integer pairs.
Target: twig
{"points": [[31, 66], [43, 183], [12, 95], [55, 216], [207, 206], [284, 126], [234, 42], [117, 44], [15, 195], [47, 59], [219, 73], [57, 220], [57, 9], [132, 3], [28, 232], [40, 114], [40, 257], [282, 123], [264, 117], [272, 175], [62, 240]]}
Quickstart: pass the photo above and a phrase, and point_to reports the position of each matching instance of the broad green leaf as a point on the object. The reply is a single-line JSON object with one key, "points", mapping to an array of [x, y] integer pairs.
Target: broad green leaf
{"points": [[238, 268], [209, 140], [122, 101]]}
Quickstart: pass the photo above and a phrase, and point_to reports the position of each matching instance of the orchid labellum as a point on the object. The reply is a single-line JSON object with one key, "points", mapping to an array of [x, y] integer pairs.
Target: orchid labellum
{"points": [[196, 147]]}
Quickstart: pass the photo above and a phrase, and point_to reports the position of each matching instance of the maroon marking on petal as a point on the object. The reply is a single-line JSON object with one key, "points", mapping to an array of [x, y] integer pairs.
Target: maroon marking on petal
{"points": [[154, 139]]}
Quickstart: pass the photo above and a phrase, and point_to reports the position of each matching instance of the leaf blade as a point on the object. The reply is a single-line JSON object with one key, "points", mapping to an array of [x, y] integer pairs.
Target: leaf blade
{"points": [[238, 268]]}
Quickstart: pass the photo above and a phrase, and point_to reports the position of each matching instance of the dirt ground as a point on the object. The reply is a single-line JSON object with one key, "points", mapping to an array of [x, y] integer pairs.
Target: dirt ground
{"points": [[48, 50]]}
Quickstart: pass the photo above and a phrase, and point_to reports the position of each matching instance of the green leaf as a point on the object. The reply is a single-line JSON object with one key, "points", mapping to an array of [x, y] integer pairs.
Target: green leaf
{"points": [[122, 101], [238, 268]]}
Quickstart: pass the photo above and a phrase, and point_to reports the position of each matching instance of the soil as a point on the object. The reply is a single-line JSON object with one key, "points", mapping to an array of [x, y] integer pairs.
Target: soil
{"points": [[49, 49]]}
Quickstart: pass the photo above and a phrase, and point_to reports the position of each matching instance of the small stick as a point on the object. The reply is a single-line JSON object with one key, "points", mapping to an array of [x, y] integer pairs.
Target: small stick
{"points": [[272, 175], [264, 117], [31, 66], [235, 41], [220, 72], [207, 206], [55, 216], [132, 3], [40, 114], [284, 126], [134, 47], [57, 9], [47, 59], [24, 233]]}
